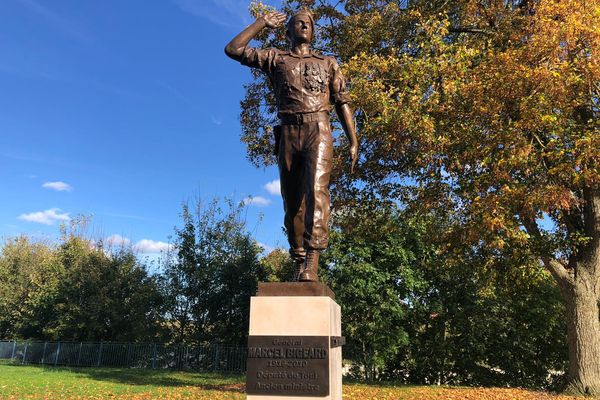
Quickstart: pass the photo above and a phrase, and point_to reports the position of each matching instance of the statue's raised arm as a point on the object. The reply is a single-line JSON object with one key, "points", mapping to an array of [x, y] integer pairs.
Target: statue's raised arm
{"points": [[306, 86], [235, 48]]}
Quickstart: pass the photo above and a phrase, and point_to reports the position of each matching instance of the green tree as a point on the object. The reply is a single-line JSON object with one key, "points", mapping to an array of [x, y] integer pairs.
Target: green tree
{"points": [[74, 290], [418, 311], [211, 274], [183, 283], [487, 110], [484, 319], [103, 296], [29, 281], [278, 265], [373, 267]]}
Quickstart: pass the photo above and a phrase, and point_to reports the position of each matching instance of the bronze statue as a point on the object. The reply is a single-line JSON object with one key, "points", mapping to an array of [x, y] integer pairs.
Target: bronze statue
{"points": [[305, 84]]}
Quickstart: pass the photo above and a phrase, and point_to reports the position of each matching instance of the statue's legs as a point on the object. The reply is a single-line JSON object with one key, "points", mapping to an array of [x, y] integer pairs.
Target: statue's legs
{"points": [[317, 166], [318, 163], [291, 174], [305, 160]]}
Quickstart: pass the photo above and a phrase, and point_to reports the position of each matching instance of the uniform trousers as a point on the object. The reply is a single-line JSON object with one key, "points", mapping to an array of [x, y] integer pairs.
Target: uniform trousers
{"points": [[305, 157]]}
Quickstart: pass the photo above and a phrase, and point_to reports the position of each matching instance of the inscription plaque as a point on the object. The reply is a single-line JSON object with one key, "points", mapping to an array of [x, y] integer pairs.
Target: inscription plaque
{"points": [[288, 366]]}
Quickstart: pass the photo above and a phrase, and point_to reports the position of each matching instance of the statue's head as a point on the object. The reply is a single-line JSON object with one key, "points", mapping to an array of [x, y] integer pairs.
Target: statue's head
{"points": [[301, 27]]}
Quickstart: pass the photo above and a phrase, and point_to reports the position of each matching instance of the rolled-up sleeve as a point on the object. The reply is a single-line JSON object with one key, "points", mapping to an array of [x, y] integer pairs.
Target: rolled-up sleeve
{"points": [[259, 58], [337, 86]]}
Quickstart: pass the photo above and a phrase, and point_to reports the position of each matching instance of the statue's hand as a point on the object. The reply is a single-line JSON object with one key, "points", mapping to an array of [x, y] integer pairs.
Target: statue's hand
{"points": [[354, 155], [274, 19]]}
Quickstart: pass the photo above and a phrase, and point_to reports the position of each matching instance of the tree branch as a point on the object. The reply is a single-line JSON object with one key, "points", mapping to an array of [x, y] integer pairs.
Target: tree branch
{"points": [[468, 30], [559, 271], [531, 226], [563, 276]]}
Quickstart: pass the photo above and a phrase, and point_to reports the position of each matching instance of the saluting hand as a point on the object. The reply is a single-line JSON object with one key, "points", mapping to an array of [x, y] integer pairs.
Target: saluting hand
{"points": [[274, 19]]}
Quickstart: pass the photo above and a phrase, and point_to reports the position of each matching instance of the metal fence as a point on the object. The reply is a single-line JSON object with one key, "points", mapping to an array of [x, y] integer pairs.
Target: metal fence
{"points": [[127, 355]]}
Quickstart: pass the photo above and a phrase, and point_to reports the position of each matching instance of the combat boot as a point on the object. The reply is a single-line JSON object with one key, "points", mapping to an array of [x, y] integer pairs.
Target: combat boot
{"points": [[298, 269], [310, 268]]}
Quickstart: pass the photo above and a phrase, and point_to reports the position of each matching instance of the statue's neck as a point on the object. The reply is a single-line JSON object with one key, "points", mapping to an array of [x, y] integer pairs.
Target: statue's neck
{"points": [[301, 48]]}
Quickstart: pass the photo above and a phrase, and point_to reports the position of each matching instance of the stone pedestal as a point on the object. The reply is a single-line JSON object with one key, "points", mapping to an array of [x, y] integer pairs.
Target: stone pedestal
{"points": [[294, 350]]}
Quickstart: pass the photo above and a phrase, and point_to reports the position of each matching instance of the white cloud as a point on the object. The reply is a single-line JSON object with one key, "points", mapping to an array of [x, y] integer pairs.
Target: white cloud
{"points": [[147, 246], [117, 240], [258, 201], [274, 187], [144, 246], [58, 186], [266, 248], [46, 217]]}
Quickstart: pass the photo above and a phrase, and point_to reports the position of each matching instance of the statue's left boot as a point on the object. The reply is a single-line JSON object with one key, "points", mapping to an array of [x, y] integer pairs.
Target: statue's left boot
{"points": [[298, 269], [311, 266]]}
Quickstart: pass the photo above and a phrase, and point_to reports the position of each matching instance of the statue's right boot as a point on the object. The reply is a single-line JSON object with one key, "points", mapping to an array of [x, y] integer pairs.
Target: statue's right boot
{"points": [[311, 267]]}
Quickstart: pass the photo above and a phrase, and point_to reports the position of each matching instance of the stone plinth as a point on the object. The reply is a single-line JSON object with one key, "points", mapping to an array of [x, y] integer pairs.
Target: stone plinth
{"points": [[292, 355]]}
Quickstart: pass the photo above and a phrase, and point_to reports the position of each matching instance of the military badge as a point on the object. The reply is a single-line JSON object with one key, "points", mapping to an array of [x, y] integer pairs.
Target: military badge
{"points": [[315, 77]]}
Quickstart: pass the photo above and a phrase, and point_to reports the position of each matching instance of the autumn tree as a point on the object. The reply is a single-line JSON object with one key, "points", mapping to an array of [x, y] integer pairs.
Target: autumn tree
{"points": [[485, 109]]}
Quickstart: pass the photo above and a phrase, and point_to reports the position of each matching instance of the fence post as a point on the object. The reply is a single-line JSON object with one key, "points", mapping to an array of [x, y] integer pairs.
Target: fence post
{"points": [[216, 363], [79, 354], [185, 360], [57, 354], [127, 360], [14, 349], [153, 355], [99, 355], [25, 352], [44, 352]]}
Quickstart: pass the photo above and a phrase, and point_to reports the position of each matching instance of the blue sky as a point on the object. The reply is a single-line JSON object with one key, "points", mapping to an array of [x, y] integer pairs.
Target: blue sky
{"points": [[122, 109]]}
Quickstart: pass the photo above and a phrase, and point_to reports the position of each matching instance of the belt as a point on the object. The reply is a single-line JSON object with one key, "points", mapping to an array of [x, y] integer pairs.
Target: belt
{"points": [[303, 118]]}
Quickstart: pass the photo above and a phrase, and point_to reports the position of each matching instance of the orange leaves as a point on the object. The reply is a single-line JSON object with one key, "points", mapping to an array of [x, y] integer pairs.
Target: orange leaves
{"points": [[514, 112], [363, 392]]}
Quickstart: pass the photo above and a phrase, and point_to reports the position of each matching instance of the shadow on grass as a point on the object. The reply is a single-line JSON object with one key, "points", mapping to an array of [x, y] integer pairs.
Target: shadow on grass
{"points": [[226, 382], [144, 377]]}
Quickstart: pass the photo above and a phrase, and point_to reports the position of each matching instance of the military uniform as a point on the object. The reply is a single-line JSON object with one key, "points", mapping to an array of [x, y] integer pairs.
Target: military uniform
{"points": [[305, 87]]}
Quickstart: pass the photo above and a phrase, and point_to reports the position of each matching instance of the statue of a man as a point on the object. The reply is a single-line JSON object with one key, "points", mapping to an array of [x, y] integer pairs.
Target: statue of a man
{"points": [[306, 85]]}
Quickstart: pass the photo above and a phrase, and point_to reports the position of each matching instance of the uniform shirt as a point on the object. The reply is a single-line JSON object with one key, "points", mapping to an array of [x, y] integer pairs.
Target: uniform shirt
{"points": [[302, 83]]}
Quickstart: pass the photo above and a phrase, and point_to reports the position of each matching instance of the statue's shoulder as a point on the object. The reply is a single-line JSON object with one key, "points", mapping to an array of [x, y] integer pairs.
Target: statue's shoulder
{"points": [[329, 60], [319, 56]]}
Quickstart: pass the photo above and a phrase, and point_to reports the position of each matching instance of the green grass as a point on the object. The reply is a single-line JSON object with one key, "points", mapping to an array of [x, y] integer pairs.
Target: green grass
{"points": [[33, 382], [29, 382]]}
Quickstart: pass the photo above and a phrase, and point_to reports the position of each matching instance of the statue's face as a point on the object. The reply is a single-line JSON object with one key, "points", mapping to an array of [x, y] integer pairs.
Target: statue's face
{"points": [[301, 30]]}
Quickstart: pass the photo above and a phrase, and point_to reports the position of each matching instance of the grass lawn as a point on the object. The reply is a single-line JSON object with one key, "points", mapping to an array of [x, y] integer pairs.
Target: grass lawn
{"points": [[33, 382]]}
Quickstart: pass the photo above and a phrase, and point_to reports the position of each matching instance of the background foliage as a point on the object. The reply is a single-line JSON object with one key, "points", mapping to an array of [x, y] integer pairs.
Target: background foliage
{"points": [[412, 311]]}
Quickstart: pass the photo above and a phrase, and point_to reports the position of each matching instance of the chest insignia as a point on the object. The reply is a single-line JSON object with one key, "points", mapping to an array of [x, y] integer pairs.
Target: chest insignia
{"points": [[315, 77]]}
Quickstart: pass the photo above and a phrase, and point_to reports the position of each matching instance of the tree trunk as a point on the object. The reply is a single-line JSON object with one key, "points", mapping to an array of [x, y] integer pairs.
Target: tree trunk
{"points": [[579, 283], [583, 332]]}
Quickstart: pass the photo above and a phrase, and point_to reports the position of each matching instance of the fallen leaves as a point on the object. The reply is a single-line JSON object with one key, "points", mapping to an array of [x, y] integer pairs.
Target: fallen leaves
{"points": [[37, 383], [360, 392], [351, 392]]}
